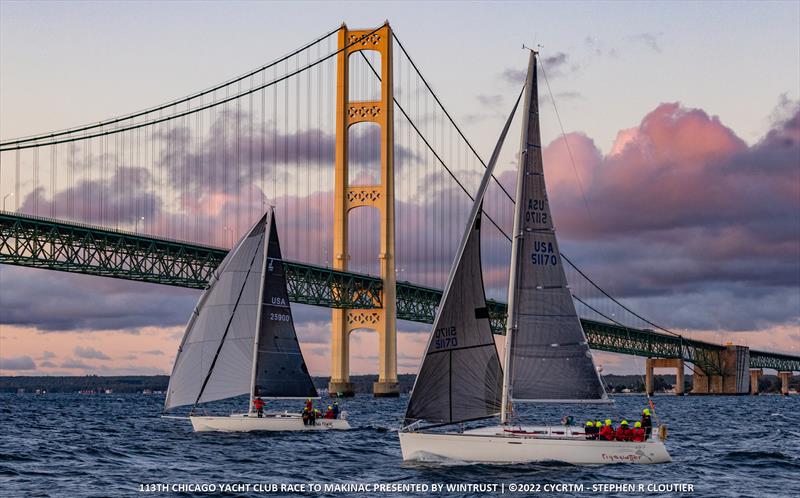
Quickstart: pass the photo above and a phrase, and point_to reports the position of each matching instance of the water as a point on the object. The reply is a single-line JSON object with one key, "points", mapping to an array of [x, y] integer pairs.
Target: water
{"points": [[108, 445]]}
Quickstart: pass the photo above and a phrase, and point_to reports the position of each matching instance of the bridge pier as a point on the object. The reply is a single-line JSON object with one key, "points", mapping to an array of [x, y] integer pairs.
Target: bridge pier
{"points": [[731, 377], [755, 373], [653, 363], [785, 377]]}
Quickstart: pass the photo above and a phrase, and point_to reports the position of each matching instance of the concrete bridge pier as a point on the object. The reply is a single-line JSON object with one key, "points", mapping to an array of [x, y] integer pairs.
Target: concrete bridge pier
{"points": [[653, 363], [755, 373], [785, 377]]}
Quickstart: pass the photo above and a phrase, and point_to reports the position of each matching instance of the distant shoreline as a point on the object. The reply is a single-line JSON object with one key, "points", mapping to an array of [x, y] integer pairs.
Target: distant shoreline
{"points": [[620, 384]]}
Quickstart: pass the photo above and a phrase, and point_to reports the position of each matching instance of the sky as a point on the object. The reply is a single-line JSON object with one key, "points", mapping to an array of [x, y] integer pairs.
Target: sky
{"points": [[682, 118]]}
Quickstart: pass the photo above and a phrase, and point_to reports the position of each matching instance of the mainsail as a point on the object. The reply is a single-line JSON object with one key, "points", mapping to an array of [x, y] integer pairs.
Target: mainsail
{"points": [[548, 355], [280, 371], [218, 357], [460, 378]]}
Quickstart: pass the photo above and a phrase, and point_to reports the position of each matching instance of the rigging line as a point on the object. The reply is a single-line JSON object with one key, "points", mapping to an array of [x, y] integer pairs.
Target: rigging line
{"points": [[452, 121], [145, 112], [227, 99], [628, 334], [436, 155], [566, 142], [614, 300]]}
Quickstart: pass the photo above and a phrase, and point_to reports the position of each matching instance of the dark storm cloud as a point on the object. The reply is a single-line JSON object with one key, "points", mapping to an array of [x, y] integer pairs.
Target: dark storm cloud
{"points": [[55, 301]]}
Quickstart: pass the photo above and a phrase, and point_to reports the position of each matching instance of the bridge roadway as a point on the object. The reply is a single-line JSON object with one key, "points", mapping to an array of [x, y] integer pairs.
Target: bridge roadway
{"points": [[72, 247]]}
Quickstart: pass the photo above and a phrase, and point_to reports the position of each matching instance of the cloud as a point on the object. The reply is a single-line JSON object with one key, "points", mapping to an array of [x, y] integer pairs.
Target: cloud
{"points": [[514, 76], [46, 355], [90, 353], [17, 363], [48, 364], [490, 100], [649, 40], [54, 301], [156, 352], [75, 364]]}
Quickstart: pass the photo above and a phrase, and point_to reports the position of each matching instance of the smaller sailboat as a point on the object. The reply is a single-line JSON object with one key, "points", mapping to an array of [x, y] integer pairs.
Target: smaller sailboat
{"points": [[241, 340], [546, 355]]}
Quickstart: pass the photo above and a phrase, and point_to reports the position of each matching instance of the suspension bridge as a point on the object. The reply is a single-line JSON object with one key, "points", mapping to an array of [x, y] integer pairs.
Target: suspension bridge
{"points": [[344, 122]]}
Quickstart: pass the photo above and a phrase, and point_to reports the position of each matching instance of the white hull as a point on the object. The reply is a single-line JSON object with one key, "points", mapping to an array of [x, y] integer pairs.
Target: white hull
{"points": [[496, 445], [269, 422]]}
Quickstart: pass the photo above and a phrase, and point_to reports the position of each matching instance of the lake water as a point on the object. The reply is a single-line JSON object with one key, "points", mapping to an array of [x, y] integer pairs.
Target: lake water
{"points": [[112, 445]]}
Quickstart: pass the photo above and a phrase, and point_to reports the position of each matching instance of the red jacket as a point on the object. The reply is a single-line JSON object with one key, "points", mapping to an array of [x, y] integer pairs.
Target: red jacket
{"points": [[309, 405], [607, 433], [330, 414], [623, 434], [258, 404], [638, 434]]}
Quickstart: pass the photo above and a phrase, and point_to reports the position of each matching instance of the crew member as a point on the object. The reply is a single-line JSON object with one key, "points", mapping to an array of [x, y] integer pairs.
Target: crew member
{"points": [[258, 404], [623, 432], [590, 431], [317, 414], [597, 426], [647, 423], [607, 431], [309, 404], [306, 416], [335, 409], [329, 414], [638, 432]]}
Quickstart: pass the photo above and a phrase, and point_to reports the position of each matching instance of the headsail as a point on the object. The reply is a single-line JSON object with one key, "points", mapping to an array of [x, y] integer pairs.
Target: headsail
{"points": [[280, 370], [215, 357], [549, 355], [460, 378]]}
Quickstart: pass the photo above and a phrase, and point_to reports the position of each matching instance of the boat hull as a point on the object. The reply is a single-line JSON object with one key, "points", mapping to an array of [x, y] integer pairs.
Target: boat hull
{"points": [[500, 446], [270, 423]]}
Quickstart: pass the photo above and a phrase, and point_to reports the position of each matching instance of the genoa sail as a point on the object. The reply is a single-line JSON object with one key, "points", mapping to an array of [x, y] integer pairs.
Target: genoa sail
{"points": [[550, 358], [215, 357], [280, 370], [460, 378]]}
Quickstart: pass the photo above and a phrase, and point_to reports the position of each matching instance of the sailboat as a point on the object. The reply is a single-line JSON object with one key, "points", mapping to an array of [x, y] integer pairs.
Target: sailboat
{"points": [[546, 357], [241, 340]]}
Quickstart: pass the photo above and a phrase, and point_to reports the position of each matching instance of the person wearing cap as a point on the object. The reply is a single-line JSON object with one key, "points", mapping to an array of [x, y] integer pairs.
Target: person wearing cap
{"points": [[637, 433], [597, 426], [647, 423], [607, 431], [258, 404], [623, 433], [309, 404], [335, 409], [329, 414], [590, 430]]}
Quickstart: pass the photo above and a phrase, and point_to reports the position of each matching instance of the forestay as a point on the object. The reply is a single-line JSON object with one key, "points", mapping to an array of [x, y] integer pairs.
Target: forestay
{"points": [[549, 355], [215, 357], [460, 378]]}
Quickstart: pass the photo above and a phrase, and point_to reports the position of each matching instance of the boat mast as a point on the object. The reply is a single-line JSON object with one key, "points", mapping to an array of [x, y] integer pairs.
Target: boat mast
{"points": [[511, 325], [267, 231]]}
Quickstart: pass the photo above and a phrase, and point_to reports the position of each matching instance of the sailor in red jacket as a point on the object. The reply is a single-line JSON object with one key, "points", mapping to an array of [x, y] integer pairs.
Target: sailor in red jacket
{"points": [[258, 404], [638, 433], [329, 414], [607, 431], [623, 432]]}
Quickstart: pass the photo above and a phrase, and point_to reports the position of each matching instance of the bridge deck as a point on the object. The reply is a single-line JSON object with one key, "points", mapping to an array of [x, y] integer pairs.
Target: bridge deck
{"points": [[72, 247]]}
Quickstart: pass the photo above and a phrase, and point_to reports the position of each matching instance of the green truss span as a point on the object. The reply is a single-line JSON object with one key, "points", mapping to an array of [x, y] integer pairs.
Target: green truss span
{"points": [[58, 245]]}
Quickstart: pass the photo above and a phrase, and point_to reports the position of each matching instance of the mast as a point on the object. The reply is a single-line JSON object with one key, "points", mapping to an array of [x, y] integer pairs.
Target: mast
{"points": [[511, 325], [254, 374]]}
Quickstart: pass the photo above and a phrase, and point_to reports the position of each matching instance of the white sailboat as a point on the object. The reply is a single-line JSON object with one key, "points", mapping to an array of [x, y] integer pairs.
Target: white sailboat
{"points": [[546, 356], [241, 340]]}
